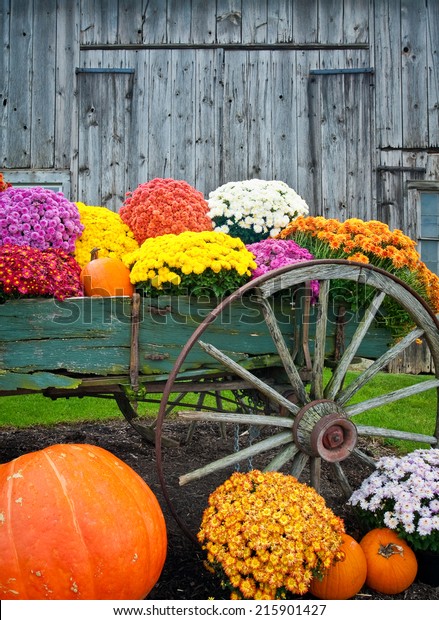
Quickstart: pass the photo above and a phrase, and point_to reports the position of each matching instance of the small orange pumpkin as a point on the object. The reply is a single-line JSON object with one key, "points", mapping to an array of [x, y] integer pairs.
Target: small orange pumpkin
{"points": [[105, 277], [345, 578], [76, 522], [391, 563]]}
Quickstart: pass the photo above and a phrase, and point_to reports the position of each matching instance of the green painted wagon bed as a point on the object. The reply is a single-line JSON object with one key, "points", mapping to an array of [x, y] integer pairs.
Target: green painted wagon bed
{"points": [[256, 360]]}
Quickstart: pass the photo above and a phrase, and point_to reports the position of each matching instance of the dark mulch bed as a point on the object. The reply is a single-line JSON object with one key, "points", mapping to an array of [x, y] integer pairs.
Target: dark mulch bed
{"points": [[184, 576]]}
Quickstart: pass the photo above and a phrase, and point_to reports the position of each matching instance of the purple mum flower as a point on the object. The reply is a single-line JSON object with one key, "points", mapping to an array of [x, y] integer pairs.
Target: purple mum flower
{"points": [[26, 212], [275, 253]]}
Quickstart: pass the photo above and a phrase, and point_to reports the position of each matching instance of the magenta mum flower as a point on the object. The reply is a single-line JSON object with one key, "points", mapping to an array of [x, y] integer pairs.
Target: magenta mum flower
{"points": [[275, 253], [39, 218]]}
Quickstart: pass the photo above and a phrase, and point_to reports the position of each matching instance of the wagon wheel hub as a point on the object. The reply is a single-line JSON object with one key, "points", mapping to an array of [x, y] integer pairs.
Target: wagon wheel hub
{"points": [[321, 429]]}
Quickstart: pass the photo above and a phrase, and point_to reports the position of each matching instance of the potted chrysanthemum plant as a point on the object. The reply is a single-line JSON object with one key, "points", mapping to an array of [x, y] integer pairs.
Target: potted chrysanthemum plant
{"points": [[266, 535], [402, 494]]}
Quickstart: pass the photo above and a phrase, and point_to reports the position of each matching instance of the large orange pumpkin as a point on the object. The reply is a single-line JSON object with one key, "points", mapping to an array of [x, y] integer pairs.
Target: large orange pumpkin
{"points": [[76, 522], [345, 577], [105, 277], [391, 563]]}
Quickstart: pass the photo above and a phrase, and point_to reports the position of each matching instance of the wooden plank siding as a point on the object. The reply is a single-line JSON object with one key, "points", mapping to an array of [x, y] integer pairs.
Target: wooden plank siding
{"points": [[226, 90], [338, 98]]}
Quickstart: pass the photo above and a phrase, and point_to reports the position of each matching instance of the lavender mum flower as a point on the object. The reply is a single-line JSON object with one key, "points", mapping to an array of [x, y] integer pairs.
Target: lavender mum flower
{"points": [[275, 253], [39, 218], [403, 494]]}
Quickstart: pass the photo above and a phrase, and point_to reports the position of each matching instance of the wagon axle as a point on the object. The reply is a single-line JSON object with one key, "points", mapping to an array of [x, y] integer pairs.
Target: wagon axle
{"points": [[321, 429]]}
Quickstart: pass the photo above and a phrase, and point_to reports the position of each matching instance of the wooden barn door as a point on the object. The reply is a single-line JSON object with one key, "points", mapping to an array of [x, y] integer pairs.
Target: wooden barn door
{"points": [[104, 140], [340, 108]]}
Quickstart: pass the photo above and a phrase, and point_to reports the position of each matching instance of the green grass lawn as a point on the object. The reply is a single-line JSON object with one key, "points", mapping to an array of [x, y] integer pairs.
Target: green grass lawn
{"points": [[416, 413]]}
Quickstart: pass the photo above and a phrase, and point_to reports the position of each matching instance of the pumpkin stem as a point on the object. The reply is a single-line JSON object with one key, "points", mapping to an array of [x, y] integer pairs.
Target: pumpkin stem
{"points": [[391, 549], [94, 253]]}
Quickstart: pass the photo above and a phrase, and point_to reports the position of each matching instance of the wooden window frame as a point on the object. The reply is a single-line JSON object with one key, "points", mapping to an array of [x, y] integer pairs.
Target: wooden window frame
{"points": [[414, 190], [58, 180]]}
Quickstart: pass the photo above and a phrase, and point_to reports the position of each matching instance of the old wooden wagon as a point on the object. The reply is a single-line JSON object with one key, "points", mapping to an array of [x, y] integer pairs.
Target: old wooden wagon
{"points": [[255, 360]]}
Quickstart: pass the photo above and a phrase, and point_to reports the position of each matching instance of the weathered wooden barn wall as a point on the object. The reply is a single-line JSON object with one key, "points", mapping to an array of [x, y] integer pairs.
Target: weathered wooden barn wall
{"points": [[340, 99]]}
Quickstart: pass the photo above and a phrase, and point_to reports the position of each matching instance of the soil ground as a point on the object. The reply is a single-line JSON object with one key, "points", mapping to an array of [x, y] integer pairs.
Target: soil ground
{"points": [[184, 576]]}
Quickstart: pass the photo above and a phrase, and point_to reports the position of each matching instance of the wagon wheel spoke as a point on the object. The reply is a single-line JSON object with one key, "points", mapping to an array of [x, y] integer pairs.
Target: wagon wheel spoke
{"points": [[380, 363], [337, 379], [391, 397], [236, 457], [299, 463], [315, 467], [341, 479], [146, 429], [374, 431], [283, 457], [316, 388], [236, 418], [362, 457], [263, 387], [279, 341]]}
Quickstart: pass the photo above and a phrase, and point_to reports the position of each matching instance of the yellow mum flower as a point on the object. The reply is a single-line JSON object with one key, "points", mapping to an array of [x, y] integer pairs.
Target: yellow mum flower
{"points": [[301, 535], [199, 262], [105, 230]]}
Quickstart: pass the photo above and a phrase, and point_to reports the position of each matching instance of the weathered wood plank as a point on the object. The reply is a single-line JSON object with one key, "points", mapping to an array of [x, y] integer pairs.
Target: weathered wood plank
{"points": [[183, 114], [333, 127], [158, 92], [359, 152], [235, 115], [228, 21], [130, 20], [154, 22], [203, 23], [432, 22], [19, 103], [4, 81], [116, 125], [387, 24], [67, 56], [36, 382], [93, 335], [254, 21], [356, 20], [43, 86], [283, 89], [414, 73], [308, 147], [91, 103], [280, 21], [260, 113], [305, 21], [179, 16], [99, 21], [207, 118], [330, 26]]}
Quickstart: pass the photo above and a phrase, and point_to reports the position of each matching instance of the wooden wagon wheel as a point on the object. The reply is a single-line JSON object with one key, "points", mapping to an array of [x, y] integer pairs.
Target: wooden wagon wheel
{"points": [[315, 422]]}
